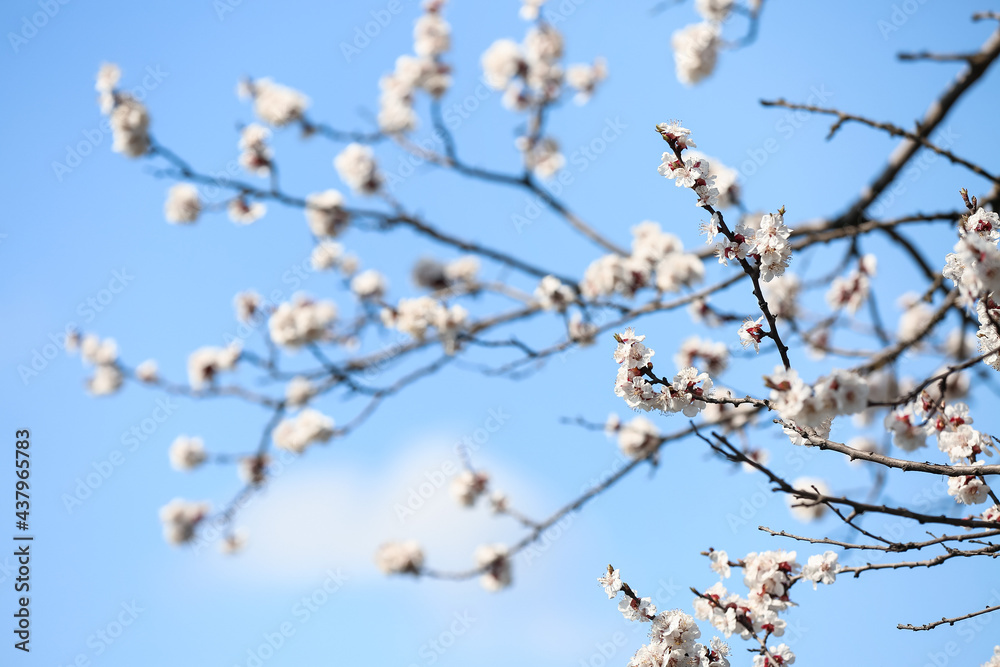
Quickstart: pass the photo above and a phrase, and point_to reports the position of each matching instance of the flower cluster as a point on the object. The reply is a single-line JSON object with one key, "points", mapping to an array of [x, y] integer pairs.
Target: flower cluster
{"points": [[256, 155], [183, 206], [186, 453], [129, 118], [242, 211], [425, 71], [850, 292], [103, 356], [369, 285], [400, 558], [467, 486], [725, 179], [435, 275], [296, 433], [768, 576], [495, 560], [357, 167], [764, 240], [696, 50], [713, 354], [657, 258], [531, 76], [552, 294], [672, 634], [839, 393], [301, 321], [692, 172], [325, 213], [684, 394], [180, 518], [974, 266], [782, 294], [638, 438], [273, 103], [416, 316], [205, 363], [752, 332]]}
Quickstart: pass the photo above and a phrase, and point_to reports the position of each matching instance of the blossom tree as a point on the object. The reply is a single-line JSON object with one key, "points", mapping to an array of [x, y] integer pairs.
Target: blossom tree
{"points": [[908, 393]]}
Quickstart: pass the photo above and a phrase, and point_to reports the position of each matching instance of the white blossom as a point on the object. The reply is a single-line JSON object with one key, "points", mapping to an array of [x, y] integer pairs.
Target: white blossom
{"points": [[308, 427], [147, 371], [638, 438], [400, 557], [752, 332], [325, 213], [256, 154], [244, 212], [633, 609], [301, 321], [584, 79], [276, 104], [370, 285], [462, 270], [129, 121], [713, 354], [357, 167], [720, 563], [501, 63], [431, 35], [180, 518], [969, 489], [467, 486], [183, 205], [612, 582], [821, 568], [714, 10], [326, 255], [552, 294], [494, 558], [247, 304], [205, 363], [187, 453], [696, 49], [299, 390]]}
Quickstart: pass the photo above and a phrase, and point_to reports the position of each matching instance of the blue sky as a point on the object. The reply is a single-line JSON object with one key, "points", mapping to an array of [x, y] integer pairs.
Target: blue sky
{"points": [[87, 244]]}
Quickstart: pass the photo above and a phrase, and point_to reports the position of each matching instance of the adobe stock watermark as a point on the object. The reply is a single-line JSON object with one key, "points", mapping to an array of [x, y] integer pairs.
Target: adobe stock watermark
{"points": [[435, 479], [94, 137], [546, 540], [363, 35], [293, 278], [301, 613], [967, 631], [432, 650], [453, 115], [786, 126], [898, 17], [215, 527], [749, 506], [102, 639], [31, 25], [555, 13], [88, 309], [580, 160], [225, 7], [131, 439], [919, 165]]}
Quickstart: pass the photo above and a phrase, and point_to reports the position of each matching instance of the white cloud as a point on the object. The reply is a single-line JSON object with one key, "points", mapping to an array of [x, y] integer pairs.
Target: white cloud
{"points": [[311, 520]]}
